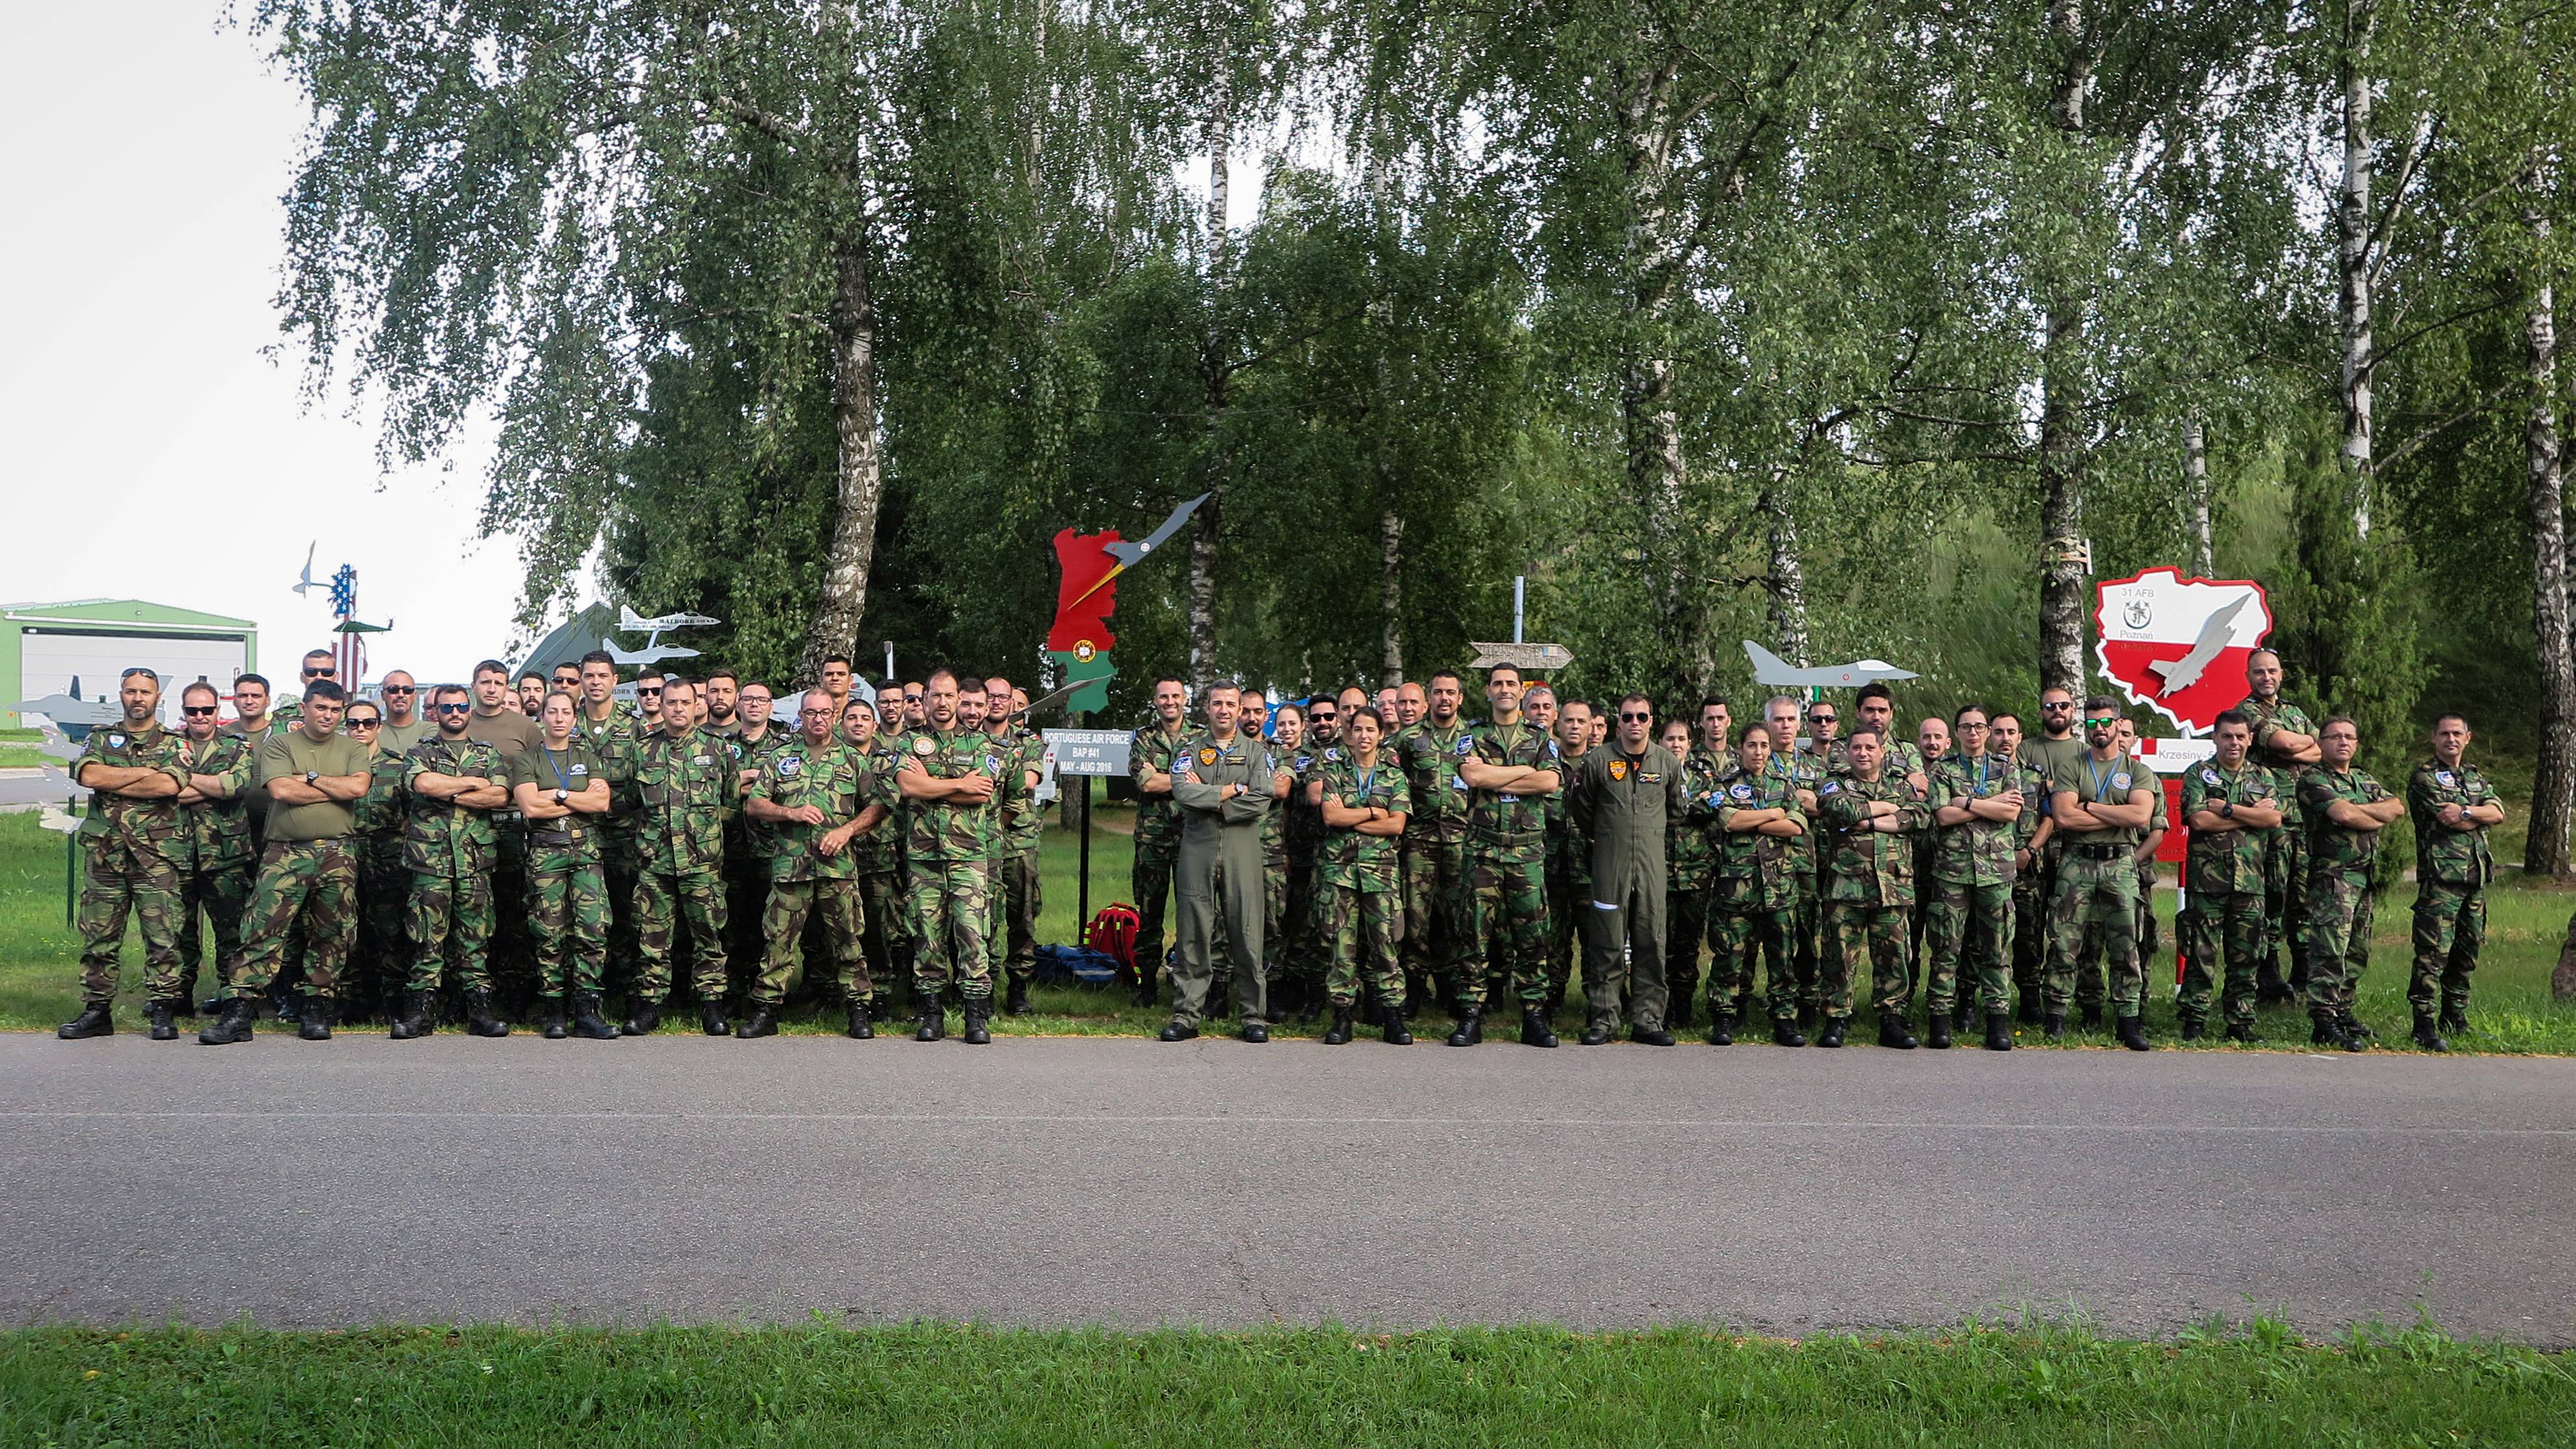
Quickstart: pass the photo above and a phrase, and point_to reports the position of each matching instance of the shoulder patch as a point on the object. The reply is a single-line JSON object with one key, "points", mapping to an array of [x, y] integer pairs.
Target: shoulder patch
{"points": [[1465, 743], [1305, 763], [1830, 787], [2119, 779], [921, 745], [1742, 791], [2209, 777], [2445, 779], [1208, 756]]}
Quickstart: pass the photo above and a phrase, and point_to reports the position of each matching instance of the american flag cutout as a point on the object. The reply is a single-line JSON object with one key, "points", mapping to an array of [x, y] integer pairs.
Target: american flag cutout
{"points": [[351, 653]]}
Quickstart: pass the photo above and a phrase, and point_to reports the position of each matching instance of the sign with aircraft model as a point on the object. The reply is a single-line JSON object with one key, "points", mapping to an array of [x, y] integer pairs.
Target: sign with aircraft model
{"points": [[2179, 645]]}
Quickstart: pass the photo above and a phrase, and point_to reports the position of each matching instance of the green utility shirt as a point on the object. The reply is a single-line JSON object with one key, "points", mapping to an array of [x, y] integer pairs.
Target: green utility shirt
{"points": [[2442, 855], [441, 837], [292, 756], [1350, 860], [2227, 862]]}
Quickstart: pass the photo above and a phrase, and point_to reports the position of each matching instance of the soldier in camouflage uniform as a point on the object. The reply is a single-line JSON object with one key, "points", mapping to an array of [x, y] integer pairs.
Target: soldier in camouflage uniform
{"points": [[1869, 891], [1511, 769], [379, 963], [1804, 772], [212, 850], [1977, 806], [2101, 806], [613, 732], [686, 783], [1363, 798], [134, 771], [2453, 808], [813, 794], [449, 849], [2231, 806], [952, 777], [307, 873], [2285, 742], [562, 789], [2345, 809], [2030, 842], [2058, 746], [877, 854], [1569, 855], [1151, 756], [1019, 896], [1753, 900], [1296, 984], [1435, 839], [1689, 862]]}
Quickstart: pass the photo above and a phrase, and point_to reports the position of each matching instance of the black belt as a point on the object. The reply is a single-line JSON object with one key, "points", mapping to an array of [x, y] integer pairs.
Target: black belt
{"points": [[2101, 852]]}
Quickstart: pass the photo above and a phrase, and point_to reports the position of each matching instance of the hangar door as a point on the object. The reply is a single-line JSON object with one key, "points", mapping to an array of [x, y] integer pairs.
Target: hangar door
{"points": [[49, 659]]}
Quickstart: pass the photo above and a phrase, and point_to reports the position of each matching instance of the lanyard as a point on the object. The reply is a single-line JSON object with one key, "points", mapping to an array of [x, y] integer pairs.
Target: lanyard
{"points": [[2101, 778], [562, 781], [1368, 784]]}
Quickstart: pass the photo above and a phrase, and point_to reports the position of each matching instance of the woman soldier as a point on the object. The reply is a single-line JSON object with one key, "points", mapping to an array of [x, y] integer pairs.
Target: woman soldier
{"points": [[1364, 806], [561, 786]]}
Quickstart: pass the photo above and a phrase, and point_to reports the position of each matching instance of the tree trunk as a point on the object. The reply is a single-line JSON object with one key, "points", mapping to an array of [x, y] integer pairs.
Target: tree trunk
{"points": [[2553, 788], [2352, 257], [2063, 446], [1788, 583], [1390, 544], [1656, 471], [2195, 472], [859, 463], [1216, 368], [1390, 523]]}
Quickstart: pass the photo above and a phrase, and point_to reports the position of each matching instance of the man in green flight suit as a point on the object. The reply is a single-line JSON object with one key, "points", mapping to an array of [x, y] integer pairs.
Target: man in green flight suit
{"points": [[2231, 805], [1151, 755], [2101, 807], [812, 794], [1869, 888], [1977, 806], [449, 848], [2453, 808], [2345, 809], [213, 848], [1511, 769], [952, 776], [1753, 900], [1225, 784], [134, 771], [1625, 797], [685, 785]]}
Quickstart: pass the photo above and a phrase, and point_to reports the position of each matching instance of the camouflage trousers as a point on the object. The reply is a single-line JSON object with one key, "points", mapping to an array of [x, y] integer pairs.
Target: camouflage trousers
{"points": [[1967, 926], [2285, 897], [2100, 893], [1736, 937], [746, 887], [308, 883], [620, 863], [782, 925], [449, 910], [2338, 935], [1022, 897], [2450, 926], [2032, 893], [886, 936], [568, 920], [383, 955], [218, 893], [661, 901], [1156, 858], [951, 906], [1301, 956], [1363, 931], [1507, 936], [1861, 934], [1811, 943], [1569, 896], [1435, 909], [1686, 921], [117, 880], [2221, 921]]}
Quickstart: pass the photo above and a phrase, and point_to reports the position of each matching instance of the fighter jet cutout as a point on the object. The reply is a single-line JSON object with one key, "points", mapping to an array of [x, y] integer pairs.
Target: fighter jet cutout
{"points": [[1771, 669], [307, 583], [654, 650], [2215, 634], [1131, 554]]}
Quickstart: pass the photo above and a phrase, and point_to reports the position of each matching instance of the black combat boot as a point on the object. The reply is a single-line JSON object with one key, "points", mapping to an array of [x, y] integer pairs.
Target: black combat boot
{"points": [[1396, 1035], [1894, 1034], [2455, 1021], [934, 1018], [2052, 1025], [1340, 1032], [1311, 1003], [1721, 1029], [1255, 1030], [1471, 1027], [2029, 1012], [1599, 1033], [94, 1020], [2353, 1028], [1832, 1036], [1174, 1031], [162, 1015], [645, 1019], [1017, 1004], [552, 1024], [861, 1029], [1963, 1015], [1535, 1030], [419, 1008], [1936, 1031], [232, 1025], [1809, 1017], [2428, 1035], [763, 1021], [587, 1021], [978, 1010], [2242, 1031], [1998, 1031], [2132, 1035], [314, 1023], [711, 1019], [479, 1020], [2328, 1032], [1644, 1035], [2092, 1016], [1679, 1017], [1784, 1032], [2193, 1029], [2269, 988]]}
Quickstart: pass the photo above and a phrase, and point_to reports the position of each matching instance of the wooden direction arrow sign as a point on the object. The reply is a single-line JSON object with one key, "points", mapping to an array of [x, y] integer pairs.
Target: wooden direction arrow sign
{"points": [[1533, 658]]}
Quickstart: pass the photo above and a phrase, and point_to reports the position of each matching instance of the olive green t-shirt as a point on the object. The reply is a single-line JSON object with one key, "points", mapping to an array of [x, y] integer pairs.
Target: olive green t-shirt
{"points": [[293, 755], [571, 768], [504, 729]]}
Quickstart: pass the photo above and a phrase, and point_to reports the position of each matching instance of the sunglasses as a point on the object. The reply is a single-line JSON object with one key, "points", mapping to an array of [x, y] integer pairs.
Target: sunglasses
{"points": [[197, 711], [450, 708], [365, 724], [1821, 718], [654, 693], [320, 673], [2100, 723], [1327, 717], [397, 689], [1626, 717], [2057, 705]]}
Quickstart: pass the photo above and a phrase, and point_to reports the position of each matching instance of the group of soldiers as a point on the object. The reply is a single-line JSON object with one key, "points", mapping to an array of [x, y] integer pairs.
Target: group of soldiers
{"points": [[1399, 856], [1370, 854]]}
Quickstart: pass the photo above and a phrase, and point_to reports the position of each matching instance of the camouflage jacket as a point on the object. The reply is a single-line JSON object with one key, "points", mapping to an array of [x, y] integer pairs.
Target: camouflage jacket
{"points": [[1754, 871], [1977, 851], [1157, 818], [879, 849], [2331, 847], [616, 741], [442, 838], [744, 835], [955, 829], [2270, 719], [1430, 757], [1569, 850], [1350, 860], [1510, 828], [144, 826], [381, 810], [1873, 867], [2227, 862], [1800, 771], [1023, 819], [1304, 824], [1902, 759], [832, 780], [2033, 785], [684, 787], [216, 833], [1689, 857], [2444, 856]]}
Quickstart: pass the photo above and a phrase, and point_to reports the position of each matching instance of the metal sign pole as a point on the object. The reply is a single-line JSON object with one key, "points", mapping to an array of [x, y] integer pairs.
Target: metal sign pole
{"points": [[1082, 878]]}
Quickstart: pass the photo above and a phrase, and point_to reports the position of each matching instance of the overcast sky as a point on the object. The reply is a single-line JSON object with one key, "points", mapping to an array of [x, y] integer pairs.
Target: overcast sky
{"points": [[147, 449]]}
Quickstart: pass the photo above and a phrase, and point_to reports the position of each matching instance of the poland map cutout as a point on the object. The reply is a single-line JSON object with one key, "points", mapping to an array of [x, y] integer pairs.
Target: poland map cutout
{"points": [[2177, 645]]}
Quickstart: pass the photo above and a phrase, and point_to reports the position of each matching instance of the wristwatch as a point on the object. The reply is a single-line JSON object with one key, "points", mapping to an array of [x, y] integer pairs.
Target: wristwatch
{"points": [[312, 777], [561, 796]]}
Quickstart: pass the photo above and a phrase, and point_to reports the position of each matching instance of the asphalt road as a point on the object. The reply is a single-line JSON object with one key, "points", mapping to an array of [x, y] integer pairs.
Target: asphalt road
{"points": [[1125, 1181]]}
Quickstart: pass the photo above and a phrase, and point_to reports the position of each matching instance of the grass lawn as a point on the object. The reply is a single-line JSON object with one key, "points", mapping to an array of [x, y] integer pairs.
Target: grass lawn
{"points": [[952, 1385], [2513, 1011]]}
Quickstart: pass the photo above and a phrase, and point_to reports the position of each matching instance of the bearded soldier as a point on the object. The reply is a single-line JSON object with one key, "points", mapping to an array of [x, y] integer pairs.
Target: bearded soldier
{"points": [[212, 850], [1435, 834], [134, 772], [1511, 769], [952, 777], [449, 847], [2232, 805]]}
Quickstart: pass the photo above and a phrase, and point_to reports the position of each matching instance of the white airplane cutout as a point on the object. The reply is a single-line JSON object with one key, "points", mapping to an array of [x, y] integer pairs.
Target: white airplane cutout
{"points": [[308, 583], [654, 650], [1771, 669]]}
